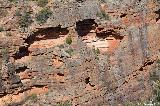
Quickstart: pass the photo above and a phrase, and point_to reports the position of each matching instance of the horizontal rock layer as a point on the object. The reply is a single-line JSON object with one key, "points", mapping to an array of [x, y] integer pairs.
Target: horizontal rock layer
{"points": [[108, 62]]}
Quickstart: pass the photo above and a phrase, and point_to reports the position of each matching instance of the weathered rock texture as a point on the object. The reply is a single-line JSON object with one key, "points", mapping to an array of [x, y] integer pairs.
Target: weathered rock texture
{"points": [[126, 33]]}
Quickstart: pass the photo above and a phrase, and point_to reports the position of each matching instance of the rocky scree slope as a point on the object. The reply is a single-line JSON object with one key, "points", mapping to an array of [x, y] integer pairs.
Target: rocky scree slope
{"points": [[87, 52]]}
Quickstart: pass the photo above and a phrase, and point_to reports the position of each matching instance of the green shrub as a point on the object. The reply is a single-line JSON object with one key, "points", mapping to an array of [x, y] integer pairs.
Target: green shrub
{"points": [[133, 104], [33, 97], [13, 0], [1, 29], [5, 54], [64, 104], [8, 34], [103, 15], [42, 3], [25, 20], [157, 92], [96, 51], [69, 51], [154, 76], [43, 15], [69, 40], [18, 13], [102, 1]]}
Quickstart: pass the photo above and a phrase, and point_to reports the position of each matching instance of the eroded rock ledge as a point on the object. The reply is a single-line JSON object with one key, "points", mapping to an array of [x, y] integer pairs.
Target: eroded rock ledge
{"points": [[108, 61]]}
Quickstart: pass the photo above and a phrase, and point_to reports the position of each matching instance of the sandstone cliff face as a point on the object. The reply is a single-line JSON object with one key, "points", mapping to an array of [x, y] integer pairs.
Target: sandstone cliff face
{"points": [[115, 44]]}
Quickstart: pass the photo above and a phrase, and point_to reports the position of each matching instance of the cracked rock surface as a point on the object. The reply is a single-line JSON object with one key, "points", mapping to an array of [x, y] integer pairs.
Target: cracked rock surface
{"points": [[113, 48]]}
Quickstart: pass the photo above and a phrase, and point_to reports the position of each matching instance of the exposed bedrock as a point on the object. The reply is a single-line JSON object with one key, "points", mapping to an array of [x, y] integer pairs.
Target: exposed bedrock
{"points": [[107, 62]]}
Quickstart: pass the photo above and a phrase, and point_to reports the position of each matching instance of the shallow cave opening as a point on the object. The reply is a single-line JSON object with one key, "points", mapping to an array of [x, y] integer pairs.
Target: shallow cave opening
{"points": [[60, 74], [141, 69], [46, 33], [80, 1], [158, 12], [87, 80], [23, 51], [85, 26], [3, 94], [110, 33], [41, 34], [21, 69], [123, 15], [148, 63], [39, 86]]}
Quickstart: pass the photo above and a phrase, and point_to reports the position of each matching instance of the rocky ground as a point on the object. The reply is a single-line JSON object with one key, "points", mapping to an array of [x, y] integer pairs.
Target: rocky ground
{"points": [[78, 52]]}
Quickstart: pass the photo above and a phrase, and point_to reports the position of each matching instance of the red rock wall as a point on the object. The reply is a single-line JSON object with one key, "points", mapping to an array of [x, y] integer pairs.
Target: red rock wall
{"points": [[42, 63]]}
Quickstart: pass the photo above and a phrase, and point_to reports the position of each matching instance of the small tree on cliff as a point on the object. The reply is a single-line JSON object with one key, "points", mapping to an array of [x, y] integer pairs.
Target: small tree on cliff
{"points": [[42, 3], [69, 40], [43, 15], [25, 20]]}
